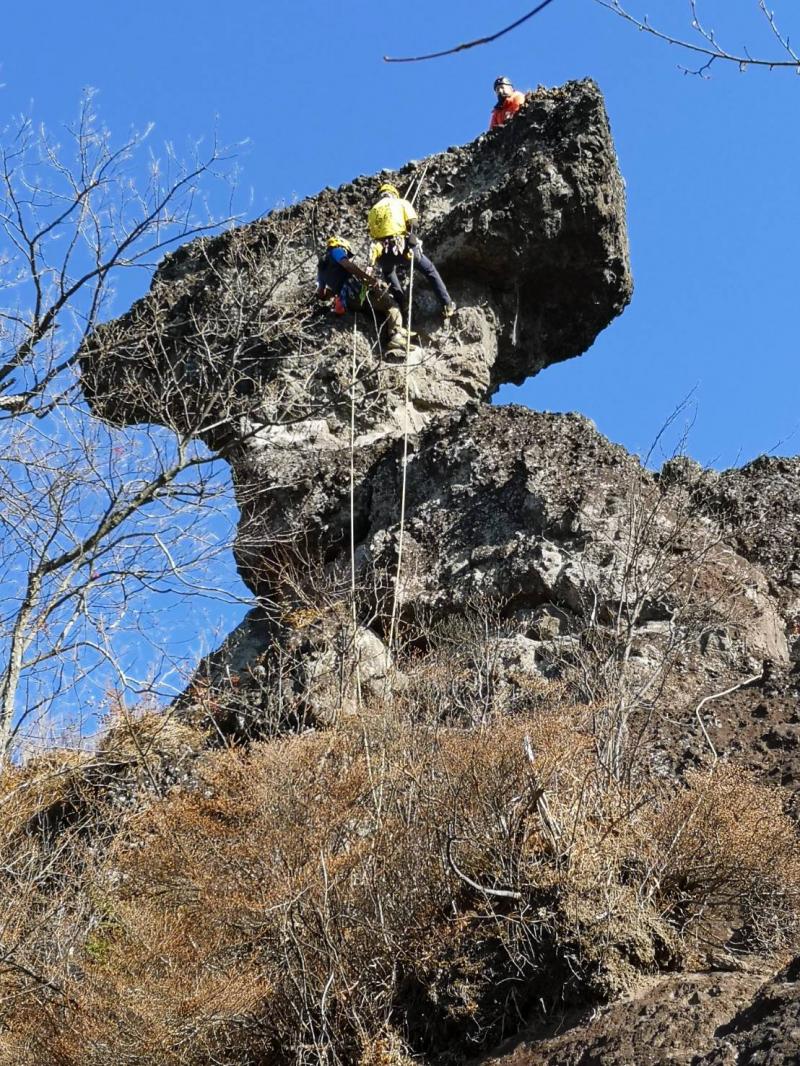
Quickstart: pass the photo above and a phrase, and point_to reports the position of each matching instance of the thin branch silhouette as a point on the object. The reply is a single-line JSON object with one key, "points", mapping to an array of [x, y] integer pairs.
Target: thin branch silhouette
{"points": [[470, 44], [712, 49]]}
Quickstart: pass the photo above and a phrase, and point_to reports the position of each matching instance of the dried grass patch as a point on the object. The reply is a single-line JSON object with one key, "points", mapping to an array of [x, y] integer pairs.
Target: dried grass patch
{"points": [[386, 888]]}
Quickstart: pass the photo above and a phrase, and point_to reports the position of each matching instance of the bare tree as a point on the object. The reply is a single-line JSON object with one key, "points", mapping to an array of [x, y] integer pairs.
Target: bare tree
{"points": [[99, 524], [709, 47]]}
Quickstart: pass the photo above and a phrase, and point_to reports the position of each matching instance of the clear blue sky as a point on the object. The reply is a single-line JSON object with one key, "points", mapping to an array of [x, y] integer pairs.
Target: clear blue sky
{"points": [[711, 165]]}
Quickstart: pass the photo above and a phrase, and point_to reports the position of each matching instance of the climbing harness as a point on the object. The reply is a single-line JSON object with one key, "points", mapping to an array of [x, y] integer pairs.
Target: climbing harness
{"points": [[350, 297]]}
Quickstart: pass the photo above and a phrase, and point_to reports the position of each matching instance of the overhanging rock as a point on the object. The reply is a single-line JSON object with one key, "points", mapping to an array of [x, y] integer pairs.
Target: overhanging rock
{"points": [[526, 224]]}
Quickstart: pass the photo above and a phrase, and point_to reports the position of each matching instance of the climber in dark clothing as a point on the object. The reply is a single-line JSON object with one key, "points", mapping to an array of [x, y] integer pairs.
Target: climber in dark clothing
{"points": [[355, 289]]}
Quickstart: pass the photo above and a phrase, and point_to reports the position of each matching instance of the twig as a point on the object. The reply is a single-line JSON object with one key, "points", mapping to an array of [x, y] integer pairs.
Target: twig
{"points": [[501, 893], [470, 44], [717, 696], [712, 49]]}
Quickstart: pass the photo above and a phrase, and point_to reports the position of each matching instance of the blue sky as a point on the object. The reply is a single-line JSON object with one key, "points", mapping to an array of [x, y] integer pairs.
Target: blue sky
{"points": [[711, 165]]}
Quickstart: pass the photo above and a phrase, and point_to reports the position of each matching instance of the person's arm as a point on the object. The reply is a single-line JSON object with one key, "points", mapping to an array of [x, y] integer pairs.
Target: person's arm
{"points": [[409, 214], [350, 267]]}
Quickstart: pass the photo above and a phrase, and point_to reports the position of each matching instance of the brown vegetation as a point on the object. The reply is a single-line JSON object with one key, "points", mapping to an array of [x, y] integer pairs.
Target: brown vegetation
{"points": [[360, 894]]}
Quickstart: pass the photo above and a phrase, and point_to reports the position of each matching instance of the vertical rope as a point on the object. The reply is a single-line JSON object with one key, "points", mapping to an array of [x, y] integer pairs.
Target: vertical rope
{"points": [[404, 475], [353, 370]]}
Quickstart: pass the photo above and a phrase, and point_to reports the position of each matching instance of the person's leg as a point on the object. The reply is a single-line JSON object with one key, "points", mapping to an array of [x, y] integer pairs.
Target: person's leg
{"points": [[388, 264], [396, 335], [434, 278]]}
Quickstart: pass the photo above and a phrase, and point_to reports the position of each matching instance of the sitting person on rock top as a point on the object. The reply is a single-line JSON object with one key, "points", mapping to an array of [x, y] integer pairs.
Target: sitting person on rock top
{"points": [[509, 101], [355, 289], [390, 221]]}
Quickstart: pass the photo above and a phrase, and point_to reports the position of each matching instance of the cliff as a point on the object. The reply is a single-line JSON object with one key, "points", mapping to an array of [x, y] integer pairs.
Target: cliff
{"points": [[512, 731]]}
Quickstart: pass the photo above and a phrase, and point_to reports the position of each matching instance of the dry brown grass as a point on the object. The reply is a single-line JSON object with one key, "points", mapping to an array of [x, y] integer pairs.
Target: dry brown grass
{"points": [[724, 854], [377, 890]]}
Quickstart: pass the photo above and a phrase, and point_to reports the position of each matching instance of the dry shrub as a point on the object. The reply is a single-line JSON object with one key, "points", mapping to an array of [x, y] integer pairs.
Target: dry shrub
{"points": [[727, 856], [138, 751], [59, 812], [387, 889]]}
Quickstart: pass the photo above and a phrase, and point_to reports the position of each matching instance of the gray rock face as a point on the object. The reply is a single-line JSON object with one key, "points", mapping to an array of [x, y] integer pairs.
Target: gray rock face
{"points": [[589, 566], [536, 510], [759, 507], [526, 224]]}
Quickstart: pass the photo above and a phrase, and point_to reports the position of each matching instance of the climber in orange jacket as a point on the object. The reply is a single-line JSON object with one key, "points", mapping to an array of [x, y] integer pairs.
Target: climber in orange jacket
{"points": [[509, 101]]}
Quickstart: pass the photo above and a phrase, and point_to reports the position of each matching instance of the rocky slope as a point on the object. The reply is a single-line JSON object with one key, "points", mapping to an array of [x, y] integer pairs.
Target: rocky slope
{"points": [[671, 600]]}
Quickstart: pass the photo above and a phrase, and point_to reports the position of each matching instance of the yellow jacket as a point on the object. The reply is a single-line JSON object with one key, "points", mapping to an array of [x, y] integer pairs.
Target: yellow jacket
{"points": [[390, 217]]}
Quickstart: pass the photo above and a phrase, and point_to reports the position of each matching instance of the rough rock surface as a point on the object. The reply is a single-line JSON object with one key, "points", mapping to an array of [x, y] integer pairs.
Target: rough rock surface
{"points": [[668, 1022], [759, 507], [687, 1020], [527, 225], [767, 1031]]}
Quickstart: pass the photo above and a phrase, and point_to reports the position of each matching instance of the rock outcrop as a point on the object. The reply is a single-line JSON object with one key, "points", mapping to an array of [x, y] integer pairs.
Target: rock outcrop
{"points": [[527, 224], [538, 515], [377, 491]]}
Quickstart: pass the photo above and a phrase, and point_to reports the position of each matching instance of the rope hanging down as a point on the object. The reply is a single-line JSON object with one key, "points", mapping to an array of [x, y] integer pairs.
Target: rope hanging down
{"points": [[403, 479], [406, 409], [353, 374], [470, 44]]}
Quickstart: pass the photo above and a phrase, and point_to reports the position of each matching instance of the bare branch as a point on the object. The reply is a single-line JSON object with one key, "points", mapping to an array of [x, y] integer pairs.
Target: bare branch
{"points": [[471, 44], [711, 48]]}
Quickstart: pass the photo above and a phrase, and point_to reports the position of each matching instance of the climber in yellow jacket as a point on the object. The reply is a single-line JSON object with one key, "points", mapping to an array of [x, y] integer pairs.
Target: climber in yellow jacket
{"points": [[390, 224]]}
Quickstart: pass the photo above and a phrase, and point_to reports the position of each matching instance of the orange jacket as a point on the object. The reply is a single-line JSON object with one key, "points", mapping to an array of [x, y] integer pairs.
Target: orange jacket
{"points": [[502, 112]]}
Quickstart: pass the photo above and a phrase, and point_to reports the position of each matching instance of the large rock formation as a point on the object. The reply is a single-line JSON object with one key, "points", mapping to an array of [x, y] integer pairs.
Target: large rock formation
{"points": [[670, 600], [527, 224], [537, 515]]}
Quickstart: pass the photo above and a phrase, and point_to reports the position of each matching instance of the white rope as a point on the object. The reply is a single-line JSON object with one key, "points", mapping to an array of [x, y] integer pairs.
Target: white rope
{"points": [[419, 183], [718, 696], [404, 476], [406, 410], [353, 372]]}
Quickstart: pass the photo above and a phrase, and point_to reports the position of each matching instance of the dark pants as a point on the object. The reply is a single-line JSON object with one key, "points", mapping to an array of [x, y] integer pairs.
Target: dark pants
{"points": [[390, 261]]}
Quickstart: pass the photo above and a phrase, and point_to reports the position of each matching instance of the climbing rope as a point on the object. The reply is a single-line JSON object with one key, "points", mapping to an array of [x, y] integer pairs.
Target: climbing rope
{"points": [[412, 199], [404, 475], [353, 372]]}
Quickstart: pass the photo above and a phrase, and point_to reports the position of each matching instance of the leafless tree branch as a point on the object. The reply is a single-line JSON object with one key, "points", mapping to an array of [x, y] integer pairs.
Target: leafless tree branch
{"points": [[471, 44]]}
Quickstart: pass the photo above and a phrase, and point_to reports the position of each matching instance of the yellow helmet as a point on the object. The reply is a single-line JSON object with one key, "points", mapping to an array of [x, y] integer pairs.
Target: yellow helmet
{"points": [[388, 187], [338, 242]]}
